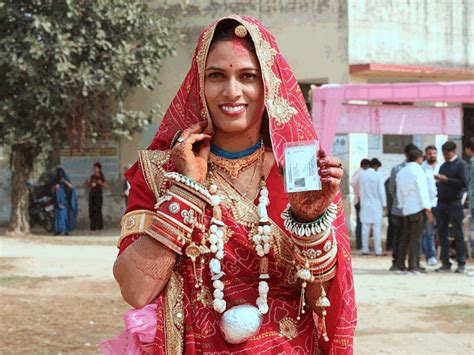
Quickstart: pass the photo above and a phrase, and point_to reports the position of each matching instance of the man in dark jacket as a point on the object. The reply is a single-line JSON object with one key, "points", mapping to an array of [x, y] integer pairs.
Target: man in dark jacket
{"points": [[452, 183]]}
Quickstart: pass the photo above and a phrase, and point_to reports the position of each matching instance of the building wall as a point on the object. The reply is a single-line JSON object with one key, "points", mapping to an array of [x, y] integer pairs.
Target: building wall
{"points": [[312, 36], [421, 32]]}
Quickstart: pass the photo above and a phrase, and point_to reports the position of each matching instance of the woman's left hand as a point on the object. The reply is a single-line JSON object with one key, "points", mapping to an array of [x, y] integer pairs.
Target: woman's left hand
{"points": [[309, 205]]}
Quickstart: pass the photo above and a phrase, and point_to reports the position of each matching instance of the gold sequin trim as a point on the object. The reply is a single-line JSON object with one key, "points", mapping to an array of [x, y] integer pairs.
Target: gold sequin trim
{"points": [[151, 163], [174, 314]]}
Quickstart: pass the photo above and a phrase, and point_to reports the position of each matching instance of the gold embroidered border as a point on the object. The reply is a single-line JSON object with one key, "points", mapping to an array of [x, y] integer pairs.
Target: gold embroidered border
{"points": [[135, 222], [151, 163], [174, 315]]}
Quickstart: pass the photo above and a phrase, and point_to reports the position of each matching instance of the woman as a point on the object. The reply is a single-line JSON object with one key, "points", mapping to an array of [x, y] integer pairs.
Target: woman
{"points": [[210, 268], [96, 183], [65, 203]]}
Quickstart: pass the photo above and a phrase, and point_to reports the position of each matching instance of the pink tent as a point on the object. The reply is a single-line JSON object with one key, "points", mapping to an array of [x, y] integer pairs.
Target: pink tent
{"points": [[332, 113]]}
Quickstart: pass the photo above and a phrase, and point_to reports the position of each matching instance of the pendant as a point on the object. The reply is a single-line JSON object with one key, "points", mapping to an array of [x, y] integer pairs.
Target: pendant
{"points": [[240, 323]]}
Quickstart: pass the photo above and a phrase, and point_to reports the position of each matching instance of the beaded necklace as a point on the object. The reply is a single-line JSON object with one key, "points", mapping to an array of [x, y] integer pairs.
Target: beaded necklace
{"points": [[241, 322]]}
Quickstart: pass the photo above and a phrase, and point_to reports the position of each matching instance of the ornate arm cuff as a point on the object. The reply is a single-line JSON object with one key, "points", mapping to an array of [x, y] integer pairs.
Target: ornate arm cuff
{"points": [[135, 222], [178, 212]]}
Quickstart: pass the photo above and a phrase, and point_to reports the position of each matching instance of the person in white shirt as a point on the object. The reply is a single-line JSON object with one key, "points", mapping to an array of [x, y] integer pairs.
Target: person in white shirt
{"points": [[364, 165], [414, 201], [373, 203], [431, 167], [431, 159]]}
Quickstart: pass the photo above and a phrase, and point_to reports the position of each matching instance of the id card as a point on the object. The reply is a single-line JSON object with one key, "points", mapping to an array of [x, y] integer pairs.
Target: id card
{"points": [[301, 169]]}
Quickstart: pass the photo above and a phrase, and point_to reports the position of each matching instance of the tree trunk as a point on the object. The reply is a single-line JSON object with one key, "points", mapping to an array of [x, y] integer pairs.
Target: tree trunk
{"points": [[22, 166], [54, 156]]}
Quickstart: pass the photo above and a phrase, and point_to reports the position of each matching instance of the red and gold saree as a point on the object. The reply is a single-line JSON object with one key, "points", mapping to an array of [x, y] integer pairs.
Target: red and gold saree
{"points": [[184, 320]]}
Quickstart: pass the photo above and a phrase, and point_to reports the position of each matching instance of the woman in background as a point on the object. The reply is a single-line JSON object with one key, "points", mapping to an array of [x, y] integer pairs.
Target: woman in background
{"points": [[96, 183], [65, 203]]}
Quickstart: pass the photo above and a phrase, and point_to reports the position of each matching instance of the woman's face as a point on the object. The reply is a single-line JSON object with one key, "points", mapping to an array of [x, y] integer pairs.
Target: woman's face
{"points": [[96, 170], [233, 88]]}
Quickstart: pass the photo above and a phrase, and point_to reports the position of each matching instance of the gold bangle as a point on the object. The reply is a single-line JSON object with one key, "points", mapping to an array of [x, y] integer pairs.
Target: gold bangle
{"points": [[327, 275], [322, 258]]}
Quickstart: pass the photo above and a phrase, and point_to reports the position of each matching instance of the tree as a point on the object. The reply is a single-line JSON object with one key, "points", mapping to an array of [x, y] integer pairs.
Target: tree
{"points": [[66, 69]]}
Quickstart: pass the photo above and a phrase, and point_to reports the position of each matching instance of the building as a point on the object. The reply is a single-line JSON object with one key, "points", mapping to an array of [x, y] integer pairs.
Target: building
{"points": [[337, 41]]}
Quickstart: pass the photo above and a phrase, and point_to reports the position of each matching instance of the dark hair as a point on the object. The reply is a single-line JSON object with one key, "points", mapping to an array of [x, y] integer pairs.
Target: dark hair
{"points": [[375, 163], [225, 32], [469, 143], [98, 165], [449, 146], [364, 162], [409, 147], [60, 174], [430, 147], [414, 154]]}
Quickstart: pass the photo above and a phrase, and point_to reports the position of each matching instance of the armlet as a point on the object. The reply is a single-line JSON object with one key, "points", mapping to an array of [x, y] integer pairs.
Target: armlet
{"points": [[135, 222]]}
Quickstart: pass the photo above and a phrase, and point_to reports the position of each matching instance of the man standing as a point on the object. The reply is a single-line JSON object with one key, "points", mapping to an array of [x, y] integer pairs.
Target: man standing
{"points": [[414, 201], [364, 165], [396, 214], [469, 151], [431, 167], [431, 161], [452, 182], [372, 206]]}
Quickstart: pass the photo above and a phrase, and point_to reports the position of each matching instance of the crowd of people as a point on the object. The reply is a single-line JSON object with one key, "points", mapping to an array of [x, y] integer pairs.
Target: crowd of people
{"points": [[424, 202]]}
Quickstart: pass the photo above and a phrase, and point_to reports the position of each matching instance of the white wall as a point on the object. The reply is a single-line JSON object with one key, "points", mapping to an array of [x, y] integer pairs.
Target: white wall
{"points": [[420, 32]]}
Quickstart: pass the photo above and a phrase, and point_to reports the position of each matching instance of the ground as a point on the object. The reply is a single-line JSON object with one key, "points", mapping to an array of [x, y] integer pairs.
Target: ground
{"points": [[57, 295]]}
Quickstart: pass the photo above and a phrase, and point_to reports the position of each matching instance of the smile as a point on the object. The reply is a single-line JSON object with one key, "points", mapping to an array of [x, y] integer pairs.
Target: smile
{"points": [[233, 109]]}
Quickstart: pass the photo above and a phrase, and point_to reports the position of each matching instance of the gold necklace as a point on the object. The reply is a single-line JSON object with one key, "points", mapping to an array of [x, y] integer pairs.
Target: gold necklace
{"points": [[233, 167]]}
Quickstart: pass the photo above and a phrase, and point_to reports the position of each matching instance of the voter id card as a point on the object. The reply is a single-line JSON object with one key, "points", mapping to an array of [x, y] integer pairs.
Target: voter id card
{"points": [[301, 169]]}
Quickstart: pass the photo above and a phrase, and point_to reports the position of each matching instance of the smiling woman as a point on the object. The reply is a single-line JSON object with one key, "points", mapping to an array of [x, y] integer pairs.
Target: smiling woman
{"points": [[234, 89], [214, 255]]}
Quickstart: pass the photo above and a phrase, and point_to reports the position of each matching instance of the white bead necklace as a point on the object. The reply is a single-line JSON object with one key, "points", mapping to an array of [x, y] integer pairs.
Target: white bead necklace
{"points": [[240, 322]]}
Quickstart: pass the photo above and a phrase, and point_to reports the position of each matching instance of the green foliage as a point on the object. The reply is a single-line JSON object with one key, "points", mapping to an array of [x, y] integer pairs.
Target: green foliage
{"points": [[67, 66]]}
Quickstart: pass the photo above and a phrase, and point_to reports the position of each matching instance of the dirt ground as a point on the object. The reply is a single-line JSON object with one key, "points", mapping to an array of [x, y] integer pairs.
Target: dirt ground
{"points": [[57, 295]]}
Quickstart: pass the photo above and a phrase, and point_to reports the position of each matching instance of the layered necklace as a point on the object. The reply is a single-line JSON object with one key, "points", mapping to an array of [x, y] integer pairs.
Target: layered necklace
{"points": [[241, 322], [234, 163]]}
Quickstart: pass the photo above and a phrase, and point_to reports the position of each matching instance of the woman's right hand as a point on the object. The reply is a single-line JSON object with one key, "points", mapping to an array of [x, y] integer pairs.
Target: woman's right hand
{"points": [[188, 162]]}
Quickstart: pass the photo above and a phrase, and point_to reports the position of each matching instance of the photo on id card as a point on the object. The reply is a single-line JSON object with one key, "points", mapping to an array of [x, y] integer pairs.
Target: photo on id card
{"points": [[301, 169]]}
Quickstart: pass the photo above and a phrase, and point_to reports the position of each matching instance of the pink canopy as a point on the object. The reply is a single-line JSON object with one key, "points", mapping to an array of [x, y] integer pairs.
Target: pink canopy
{"points": [[331, 116]]}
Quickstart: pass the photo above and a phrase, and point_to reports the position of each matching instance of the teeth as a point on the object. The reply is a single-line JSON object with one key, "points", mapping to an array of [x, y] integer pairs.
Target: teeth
{"points": [[233, 108]]}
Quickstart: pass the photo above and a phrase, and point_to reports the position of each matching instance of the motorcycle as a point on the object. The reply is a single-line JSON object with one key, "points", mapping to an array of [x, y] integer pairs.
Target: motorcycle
{"points": [[41, 207]]}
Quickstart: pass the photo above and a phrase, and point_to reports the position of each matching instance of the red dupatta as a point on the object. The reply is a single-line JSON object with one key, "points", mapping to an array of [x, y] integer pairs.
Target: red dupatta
{"points": [[289, 121]]}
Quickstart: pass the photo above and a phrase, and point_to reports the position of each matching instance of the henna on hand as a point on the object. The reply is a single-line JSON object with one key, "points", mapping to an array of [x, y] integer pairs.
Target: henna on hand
{"points": [[309, 205], [143, 270], [188, 162]]}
